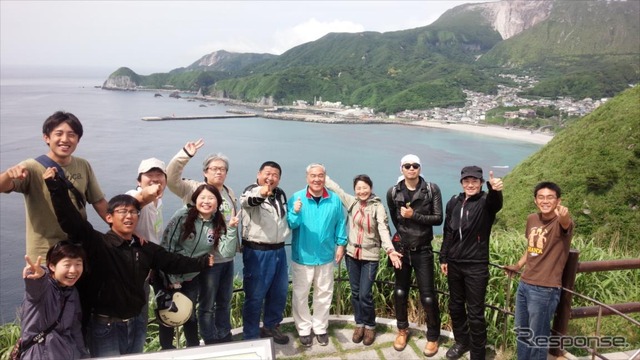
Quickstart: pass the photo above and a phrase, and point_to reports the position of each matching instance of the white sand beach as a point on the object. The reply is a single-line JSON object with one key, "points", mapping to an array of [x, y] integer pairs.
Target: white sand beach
{"points": [[497, 131]]}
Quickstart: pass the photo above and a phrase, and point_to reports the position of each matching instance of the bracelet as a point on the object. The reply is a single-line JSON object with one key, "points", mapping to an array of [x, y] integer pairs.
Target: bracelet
{"points": [[186, 152]]}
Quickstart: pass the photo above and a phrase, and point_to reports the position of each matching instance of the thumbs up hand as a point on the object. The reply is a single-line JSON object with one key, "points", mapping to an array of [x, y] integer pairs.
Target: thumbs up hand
{"points": [[297, 205], [406, 212], [496, 183]]}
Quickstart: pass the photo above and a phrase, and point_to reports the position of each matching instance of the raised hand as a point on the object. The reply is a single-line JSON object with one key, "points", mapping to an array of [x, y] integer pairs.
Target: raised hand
{"points": [[18, 172], [496, 183], [267, 188], [192, 147], [50, 173], [297, 206], [32, 271], [561, 211]]}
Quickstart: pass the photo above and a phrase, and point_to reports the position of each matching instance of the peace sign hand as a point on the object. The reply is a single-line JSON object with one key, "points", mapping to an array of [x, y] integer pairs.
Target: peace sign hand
{"points": [[192, 147], [32, 271]]}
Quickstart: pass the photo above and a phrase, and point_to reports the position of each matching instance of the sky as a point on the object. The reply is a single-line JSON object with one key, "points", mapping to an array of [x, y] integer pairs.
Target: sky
{"points": [[158, 36]]}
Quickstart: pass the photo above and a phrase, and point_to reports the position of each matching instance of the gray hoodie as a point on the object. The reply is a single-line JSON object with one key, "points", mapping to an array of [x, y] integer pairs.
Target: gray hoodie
{"points": [[41, 308]]}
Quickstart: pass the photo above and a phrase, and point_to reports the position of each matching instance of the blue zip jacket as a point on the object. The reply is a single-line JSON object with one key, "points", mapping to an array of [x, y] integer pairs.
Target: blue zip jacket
{"points": [[317, 228]]}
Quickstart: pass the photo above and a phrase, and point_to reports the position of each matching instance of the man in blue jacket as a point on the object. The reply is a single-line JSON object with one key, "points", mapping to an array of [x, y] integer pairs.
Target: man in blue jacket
{"points": [[464, 258], [318, 224]]}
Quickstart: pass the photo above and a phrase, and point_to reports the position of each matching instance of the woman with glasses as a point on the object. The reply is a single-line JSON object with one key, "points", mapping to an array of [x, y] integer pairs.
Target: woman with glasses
{"points": [[368, 232], [193, 231], [51, 306]]}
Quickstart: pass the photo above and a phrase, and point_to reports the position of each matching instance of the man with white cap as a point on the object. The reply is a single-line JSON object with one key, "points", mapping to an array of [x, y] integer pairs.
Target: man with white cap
{"points": [[152, 180], [415, 206]]}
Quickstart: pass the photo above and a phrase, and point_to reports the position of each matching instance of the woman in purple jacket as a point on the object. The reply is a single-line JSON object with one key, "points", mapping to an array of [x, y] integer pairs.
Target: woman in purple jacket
{"points": [[51, 305]]}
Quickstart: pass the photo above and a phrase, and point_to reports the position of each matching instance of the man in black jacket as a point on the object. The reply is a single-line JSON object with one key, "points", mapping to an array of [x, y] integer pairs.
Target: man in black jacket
{"points": [[415, 206], [118, 266], [464, 258]]}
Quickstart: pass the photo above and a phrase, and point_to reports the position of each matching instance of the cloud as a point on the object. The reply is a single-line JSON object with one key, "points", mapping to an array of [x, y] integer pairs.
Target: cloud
{"points": [[280, 40], [310, 30]]}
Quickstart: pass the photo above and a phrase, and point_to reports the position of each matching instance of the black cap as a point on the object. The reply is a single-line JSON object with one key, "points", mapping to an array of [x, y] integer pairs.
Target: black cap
{"points": [[473, 171]]}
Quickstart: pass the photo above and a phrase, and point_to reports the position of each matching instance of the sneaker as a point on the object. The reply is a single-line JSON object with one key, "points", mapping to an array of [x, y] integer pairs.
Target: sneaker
{"points": [[401, 339], [276, 334], [430, 349], [358, 334], [323, 339], [306, 340], [456, 351], [369, 336]]}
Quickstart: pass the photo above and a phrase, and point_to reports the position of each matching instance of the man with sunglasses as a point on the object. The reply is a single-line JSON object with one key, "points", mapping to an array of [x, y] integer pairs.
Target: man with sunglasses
{"points": [[415, 206]]}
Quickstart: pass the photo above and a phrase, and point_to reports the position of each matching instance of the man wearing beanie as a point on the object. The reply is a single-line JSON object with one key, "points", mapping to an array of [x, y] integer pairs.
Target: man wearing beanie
{"points": [[415, 206], [464, 258]]}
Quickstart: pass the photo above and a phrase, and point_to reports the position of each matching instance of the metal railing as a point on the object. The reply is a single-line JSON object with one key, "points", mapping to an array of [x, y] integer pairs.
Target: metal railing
{"points": [[564, 312]]}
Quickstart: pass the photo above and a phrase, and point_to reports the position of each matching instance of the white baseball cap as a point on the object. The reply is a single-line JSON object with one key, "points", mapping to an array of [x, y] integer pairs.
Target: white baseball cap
{"points": [[151, 163]]}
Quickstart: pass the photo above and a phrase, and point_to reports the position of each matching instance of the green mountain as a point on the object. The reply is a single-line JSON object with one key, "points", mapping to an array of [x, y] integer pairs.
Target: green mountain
{"points": [[596, 162], [583, 49], [576, 48]]}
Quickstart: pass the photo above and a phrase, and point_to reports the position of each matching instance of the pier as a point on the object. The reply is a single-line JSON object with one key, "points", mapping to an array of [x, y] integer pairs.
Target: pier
{"points": [[198, 117]]}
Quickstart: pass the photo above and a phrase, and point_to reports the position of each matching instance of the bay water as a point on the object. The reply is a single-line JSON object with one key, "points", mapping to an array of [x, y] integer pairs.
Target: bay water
{"points": [[116, 140]]}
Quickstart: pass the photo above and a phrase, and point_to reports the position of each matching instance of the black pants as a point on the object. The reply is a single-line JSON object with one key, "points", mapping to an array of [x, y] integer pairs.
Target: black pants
{"points": [[468, 287], [422, 263]]}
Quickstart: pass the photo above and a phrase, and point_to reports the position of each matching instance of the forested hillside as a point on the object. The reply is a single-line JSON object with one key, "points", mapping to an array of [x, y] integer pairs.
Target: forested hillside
{"points": [[596, 162]]}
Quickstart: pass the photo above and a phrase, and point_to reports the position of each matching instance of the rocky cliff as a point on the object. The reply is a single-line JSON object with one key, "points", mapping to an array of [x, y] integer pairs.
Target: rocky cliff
{"points": [[511, 17], [119, 82]]}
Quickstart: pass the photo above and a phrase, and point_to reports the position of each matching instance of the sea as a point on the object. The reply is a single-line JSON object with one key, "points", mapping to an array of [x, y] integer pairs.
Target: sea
{"points": [[115, 140]]}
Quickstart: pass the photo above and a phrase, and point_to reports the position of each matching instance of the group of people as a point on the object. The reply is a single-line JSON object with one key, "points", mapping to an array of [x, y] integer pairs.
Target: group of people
{"points": [[94, 290]]}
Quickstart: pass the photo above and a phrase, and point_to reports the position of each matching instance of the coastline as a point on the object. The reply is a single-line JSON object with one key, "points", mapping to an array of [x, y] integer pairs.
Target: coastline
{"points": [[331, 116], [486, 130]]}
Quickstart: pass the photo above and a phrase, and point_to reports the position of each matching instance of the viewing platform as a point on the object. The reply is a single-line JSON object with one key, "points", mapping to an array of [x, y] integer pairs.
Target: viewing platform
{"points": [[198, 117], [340, 346]]}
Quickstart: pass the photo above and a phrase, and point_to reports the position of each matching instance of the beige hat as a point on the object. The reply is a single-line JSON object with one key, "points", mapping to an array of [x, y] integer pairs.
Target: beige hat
{"points": [[151, 163]]}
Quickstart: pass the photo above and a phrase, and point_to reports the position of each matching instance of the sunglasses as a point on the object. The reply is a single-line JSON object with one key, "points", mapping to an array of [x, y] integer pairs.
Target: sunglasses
{"points": [[409, 166]]}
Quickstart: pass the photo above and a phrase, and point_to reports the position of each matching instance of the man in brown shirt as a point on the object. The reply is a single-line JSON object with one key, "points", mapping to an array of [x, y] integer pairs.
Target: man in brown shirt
{"points": [[549, 234]]}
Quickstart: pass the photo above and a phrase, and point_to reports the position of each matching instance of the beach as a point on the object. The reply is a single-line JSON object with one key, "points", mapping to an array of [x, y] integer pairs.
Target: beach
{"points": [[488, 130], [497, 131]]}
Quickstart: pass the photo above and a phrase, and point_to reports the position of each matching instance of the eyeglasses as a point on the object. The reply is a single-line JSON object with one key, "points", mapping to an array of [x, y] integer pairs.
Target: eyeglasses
{"points": [[215, 169], [124, 212], [409, 166]]}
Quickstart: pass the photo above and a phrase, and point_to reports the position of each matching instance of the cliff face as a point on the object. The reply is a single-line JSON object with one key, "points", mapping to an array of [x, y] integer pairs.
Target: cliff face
{"points": [[511, 17], [119, 82]]}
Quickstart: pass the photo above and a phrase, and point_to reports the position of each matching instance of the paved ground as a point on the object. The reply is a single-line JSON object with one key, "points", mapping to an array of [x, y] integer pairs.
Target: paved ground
{"points": [[341, 347]]}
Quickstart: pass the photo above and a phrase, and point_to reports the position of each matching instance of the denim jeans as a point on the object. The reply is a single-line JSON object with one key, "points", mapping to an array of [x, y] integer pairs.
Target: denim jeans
{"points": [[535, 306], [422, 263], [114, 338], [467, 288], [190, 289], [266, 286], [214, 305], [362, 274]]}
